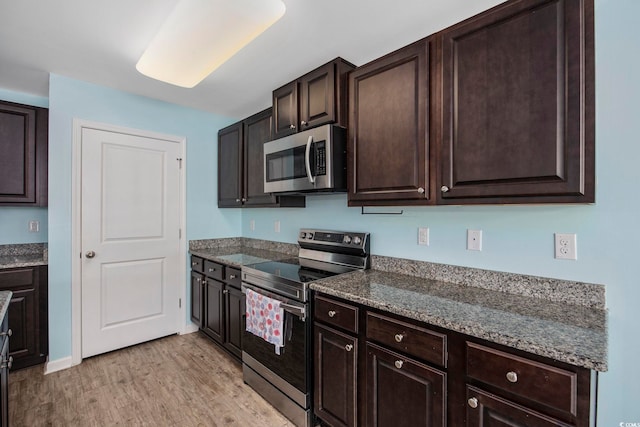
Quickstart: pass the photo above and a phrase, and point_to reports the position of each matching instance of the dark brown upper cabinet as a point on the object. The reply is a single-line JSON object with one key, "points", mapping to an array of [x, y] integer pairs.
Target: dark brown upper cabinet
{"points": [[388, 145], [23, 155], [319, 97], [241, 165], [518, 105]]}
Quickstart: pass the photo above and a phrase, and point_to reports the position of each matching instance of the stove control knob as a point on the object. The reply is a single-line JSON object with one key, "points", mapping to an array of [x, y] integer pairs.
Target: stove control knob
{"points": [[346, 239], [310, 236], [303, 235], [357, 240]]}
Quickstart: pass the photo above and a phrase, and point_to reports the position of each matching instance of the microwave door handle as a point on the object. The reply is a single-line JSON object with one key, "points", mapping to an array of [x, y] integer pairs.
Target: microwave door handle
{"points": [[307, 162]]}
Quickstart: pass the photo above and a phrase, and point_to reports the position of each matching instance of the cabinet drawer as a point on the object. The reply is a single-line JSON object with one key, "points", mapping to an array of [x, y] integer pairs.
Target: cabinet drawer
{"points": [[336, 313], [213, 269], [545, 384], [232, 277], [197, 264], [16, 278], [413, 340]]}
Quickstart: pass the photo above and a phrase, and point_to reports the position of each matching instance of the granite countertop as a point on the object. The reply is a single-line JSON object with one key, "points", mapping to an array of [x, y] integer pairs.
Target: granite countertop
{"points": [[5, 298], [23, 255], [237, 256], [573, 334]]}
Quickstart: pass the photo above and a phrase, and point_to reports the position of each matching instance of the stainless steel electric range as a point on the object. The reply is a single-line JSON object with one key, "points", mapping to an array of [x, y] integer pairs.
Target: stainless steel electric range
{"points": [[284, 379]]}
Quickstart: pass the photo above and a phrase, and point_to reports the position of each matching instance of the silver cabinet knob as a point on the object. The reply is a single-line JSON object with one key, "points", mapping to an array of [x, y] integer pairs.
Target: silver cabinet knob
{"points": [[244, 199], [90, 254], [237, 200], [473, 402], [292, 126], [232, 276], [512, 377], [444, 188], [197, 280], [303, 123], [211, 270], [420, 190], [348, 347], [226, 291], [398, 364], [331, 313], [399, 337]]}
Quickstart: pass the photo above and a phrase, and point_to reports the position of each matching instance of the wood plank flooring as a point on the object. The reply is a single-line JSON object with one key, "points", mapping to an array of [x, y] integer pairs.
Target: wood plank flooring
{"points": [[181, 380]]}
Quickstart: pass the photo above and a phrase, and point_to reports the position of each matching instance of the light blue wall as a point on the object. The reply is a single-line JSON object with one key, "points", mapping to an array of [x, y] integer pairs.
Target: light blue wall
{"points": [[520, 238], [14, 221], [69, 99]]}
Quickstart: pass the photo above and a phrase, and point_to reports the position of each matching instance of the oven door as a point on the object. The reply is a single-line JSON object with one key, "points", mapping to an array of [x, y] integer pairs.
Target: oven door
{"points": [[291, 365], [301, 162]]}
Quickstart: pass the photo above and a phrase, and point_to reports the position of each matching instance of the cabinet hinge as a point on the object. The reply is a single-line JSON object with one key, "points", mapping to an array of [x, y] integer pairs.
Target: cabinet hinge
{"points": [[179, 159]]}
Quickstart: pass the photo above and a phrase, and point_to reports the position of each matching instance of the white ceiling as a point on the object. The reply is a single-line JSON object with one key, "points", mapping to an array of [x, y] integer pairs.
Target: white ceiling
{"points": [[101, 41]]}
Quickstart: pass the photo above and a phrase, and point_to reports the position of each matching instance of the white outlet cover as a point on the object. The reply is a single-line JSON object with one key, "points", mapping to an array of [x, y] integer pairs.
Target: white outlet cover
{"points": [[34, 226], [423, 236], [566, 246], [276, 226], [474, 240]]}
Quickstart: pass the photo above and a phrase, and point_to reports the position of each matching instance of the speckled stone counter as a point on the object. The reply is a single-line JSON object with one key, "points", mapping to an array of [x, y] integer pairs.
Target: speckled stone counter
{"points": [[23, 255], [242, 251], [574, 334], [5, 298]]}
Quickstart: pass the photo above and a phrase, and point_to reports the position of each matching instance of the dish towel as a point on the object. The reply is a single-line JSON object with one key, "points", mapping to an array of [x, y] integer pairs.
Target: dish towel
{"points": [[265, 318]]}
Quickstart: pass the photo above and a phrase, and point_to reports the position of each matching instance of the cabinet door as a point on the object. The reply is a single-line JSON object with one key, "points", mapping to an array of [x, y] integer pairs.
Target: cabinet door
{"points": [[318, 97], [336, 358], [518, 105], [234, 319], [285, 110], [388, 142], [230, 166], [257, 131], [196, 298], [402, 392], [214, 309], [486, 409]]}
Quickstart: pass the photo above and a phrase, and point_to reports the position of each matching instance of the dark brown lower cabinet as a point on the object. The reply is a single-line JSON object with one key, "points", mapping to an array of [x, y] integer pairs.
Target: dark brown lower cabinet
{"points": [[28, 314], [486, 409], [336, 376], [234, 319], [196, 297], [402, 392], [214, 309]]}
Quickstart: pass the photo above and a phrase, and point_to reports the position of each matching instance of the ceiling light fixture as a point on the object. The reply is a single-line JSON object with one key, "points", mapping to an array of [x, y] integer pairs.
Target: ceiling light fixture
{"points": [[200, 35]]}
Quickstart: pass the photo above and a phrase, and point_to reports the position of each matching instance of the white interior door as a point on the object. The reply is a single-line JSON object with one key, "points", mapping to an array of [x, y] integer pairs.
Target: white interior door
{"points": [[130, 242]]}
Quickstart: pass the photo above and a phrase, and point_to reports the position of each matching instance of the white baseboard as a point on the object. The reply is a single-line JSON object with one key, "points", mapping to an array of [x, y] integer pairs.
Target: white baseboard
{"points": [[57, 365], [189, 329]]}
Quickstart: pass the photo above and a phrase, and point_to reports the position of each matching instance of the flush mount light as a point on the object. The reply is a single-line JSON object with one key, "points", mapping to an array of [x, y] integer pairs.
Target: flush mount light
{"points": [[200, 35]]}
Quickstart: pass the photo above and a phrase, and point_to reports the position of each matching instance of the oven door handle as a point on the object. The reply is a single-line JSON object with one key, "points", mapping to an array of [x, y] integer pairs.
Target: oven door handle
{"points": [[307, 160], [300, 312]]}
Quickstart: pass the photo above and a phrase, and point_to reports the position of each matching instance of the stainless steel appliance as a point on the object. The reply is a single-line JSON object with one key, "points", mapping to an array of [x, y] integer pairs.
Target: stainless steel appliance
{"points": [[308, 161], [285, 379]]}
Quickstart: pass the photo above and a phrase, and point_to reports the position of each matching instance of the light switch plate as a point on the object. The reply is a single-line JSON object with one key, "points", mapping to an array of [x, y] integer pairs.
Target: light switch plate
{"points": [[34, 226], [423, 236]]}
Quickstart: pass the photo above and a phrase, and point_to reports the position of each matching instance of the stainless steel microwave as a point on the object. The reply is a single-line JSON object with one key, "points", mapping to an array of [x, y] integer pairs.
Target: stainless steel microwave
{"points": [[306, 162]]}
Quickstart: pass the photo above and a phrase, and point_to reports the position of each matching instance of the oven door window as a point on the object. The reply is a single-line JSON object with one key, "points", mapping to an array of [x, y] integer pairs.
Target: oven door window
{"points": [[290, 364]]}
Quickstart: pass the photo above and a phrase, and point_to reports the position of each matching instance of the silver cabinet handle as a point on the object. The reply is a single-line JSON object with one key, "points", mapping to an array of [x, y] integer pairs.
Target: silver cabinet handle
{"points": [[399, 337], [399, 364], [473, 402], [348, 347], [512, 377], [232, 276], [331, 313], [292, 126], [211, 270], [307, 161], [420, 190], [90, 254], [444, 188]]}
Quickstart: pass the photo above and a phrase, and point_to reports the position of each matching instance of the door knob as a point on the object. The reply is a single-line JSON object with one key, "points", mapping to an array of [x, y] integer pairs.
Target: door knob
{"points": [[90, 254]]}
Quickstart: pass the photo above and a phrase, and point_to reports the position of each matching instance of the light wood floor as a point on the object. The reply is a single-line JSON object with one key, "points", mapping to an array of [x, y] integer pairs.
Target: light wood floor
{"points": [[175, 381]]}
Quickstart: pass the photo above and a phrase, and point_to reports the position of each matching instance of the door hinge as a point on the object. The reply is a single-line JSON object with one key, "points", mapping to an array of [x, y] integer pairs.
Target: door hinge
{"points": [[179, 233], [179, 159], [179, 302]]}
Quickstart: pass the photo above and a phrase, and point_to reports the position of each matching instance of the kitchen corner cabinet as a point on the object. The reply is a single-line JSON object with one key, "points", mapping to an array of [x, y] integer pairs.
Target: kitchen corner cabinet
{"points": [[23, 155], [217, 303], [518, 105], [28, 314], [241, 165], [375, 368], [319, 97], [388, 148]]}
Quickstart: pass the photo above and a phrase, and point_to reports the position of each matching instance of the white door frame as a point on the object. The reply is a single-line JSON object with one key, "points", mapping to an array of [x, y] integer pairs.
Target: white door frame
{"points": [[76, 233]]}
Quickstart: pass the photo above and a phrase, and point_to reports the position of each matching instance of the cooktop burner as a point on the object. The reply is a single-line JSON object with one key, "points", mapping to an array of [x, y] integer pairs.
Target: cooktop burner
{"points": [[295, 270]]}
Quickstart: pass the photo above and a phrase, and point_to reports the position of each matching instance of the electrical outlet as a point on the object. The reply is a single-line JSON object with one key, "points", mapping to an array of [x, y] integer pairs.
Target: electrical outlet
{"points": [[423, 236], [566, 247], [474, 240], [34, 226], [276, 226], [252, 224]]}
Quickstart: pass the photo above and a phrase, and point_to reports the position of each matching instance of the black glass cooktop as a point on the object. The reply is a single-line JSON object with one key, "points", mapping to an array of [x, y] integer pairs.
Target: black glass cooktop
{"points": [[298, 270]]}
